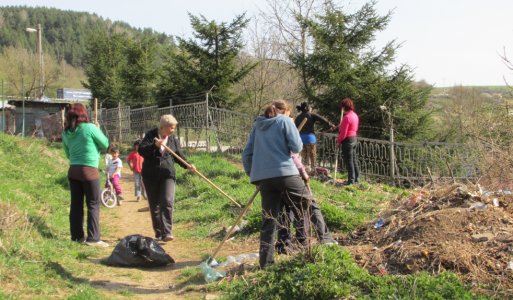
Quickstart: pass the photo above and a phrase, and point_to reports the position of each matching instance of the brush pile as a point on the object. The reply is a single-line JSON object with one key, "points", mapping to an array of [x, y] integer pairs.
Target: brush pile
{"points": [[456, 227]]}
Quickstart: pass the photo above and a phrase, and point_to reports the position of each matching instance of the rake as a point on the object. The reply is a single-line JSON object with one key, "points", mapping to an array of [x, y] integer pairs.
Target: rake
{"points": [[200, 175], [205, 266]]}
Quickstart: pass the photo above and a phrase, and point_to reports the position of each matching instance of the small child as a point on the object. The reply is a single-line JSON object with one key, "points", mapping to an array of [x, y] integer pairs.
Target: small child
{"points": [[114, 172], [135, 161]]}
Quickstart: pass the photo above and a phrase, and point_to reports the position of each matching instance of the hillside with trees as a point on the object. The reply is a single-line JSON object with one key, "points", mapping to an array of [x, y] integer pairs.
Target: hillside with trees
{"points": [[65, 33], [65, 38]]}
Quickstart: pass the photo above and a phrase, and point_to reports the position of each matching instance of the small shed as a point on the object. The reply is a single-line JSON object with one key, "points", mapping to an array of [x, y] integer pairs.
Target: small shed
{"points": [[42, 118]]}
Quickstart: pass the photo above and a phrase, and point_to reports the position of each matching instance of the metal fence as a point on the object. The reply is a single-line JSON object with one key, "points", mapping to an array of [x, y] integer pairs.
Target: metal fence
{"points": [[215, 129]]}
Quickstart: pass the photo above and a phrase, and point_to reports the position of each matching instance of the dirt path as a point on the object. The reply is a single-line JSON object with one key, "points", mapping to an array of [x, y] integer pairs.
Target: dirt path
{"points": [[155, 283]]}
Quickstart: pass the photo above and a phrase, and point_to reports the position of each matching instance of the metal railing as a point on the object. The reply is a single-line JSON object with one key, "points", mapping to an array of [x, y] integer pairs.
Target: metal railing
{"points": [[215, 129]]}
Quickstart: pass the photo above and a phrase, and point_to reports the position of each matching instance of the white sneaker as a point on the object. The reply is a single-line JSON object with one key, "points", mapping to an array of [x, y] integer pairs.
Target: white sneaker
{"points": [[101, 244], [329, 242]]}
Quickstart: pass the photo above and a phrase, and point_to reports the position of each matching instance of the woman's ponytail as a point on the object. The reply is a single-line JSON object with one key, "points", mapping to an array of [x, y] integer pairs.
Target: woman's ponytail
{"points": [[275, 108]]}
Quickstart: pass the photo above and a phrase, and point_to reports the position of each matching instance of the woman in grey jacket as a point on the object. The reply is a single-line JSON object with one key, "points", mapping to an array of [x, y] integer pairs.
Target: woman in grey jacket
{"points": [[267, 160]]}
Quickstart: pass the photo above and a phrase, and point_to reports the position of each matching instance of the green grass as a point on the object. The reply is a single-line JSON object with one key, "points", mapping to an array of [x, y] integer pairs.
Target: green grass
{"points": [[331, 273], [196, 201], [38, 260], [37, 257]]}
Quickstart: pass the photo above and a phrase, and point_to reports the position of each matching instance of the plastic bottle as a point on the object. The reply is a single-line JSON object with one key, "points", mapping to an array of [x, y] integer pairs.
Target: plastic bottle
{"points": [[379, 223], [211, 274]]}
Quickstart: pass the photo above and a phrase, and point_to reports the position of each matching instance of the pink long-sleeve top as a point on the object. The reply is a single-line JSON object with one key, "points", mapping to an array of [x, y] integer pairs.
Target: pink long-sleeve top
{"points": [[348, 127]]}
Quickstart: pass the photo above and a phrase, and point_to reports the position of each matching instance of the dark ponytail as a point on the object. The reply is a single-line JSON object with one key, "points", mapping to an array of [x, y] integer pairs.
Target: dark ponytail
{"points": [[304, 107]]}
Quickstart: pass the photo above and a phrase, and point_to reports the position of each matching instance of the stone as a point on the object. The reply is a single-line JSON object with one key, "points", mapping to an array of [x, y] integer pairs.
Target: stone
{"points": [[482, 237]]}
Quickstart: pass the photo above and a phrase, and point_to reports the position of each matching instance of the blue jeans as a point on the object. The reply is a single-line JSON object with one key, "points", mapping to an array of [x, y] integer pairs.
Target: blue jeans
{"points": [[139, 187]]}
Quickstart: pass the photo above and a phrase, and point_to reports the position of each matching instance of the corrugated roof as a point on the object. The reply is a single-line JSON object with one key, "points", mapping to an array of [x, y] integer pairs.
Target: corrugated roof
{"points": [[6, 105]]}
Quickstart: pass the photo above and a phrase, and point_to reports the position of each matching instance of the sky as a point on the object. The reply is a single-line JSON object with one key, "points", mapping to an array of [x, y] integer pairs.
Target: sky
{"points": [[446, 42]]}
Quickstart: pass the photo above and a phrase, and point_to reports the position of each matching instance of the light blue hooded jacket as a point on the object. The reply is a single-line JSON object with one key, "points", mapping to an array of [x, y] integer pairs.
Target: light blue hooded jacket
{"points": [[267, 151]]}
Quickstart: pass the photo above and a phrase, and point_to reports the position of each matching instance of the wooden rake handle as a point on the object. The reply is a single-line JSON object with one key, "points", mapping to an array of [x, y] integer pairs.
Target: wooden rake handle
{"points": [[302, 124], [236, 222], [200, 175]]}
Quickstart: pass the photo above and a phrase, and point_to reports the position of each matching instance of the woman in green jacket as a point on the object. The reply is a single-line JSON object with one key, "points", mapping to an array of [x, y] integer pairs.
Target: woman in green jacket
{"points": [[82, 143]]}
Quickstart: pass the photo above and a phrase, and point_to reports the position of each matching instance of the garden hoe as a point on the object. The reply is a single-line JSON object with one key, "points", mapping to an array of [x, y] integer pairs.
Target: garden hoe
{"points": [[209, 273], [201, 175]]}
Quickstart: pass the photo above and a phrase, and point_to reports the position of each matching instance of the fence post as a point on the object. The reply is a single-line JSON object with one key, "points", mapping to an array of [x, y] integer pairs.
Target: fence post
{"points": [[119, 122], [4, 122], [392, 150], [23, 108], [206, 124], [129, 123]]}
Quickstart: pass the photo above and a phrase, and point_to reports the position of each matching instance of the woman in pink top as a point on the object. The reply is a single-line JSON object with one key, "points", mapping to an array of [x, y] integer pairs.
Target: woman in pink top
{"points": [[348, 130]]}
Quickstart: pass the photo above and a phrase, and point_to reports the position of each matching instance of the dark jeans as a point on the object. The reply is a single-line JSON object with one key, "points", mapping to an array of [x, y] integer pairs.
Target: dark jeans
{"points": [[91, 191], [350, 159], [161, 198], [287, 218], [292, 192]]}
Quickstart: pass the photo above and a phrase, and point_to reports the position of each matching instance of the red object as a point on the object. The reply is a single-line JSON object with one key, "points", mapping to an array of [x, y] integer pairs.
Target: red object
{"points": [[136, 160], [321, 171]]}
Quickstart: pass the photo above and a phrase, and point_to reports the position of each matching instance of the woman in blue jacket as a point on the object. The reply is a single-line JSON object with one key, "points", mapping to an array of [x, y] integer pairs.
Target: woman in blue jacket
{"points": [[267, 160]]}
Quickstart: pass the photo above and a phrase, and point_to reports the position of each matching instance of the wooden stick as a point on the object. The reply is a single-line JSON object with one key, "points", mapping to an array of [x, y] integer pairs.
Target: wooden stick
{"points": [[235, 223], [96, 111], [302, 124], [200, 175]]}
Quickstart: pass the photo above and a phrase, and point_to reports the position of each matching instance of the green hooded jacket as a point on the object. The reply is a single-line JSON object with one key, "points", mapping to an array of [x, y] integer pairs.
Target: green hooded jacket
{"points": [[83, 144]]}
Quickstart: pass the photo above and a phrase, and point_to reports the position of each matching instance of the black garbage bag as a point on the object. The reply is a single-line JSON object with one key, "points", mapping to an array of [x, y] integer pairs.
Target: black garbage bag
{"points": [[139, 251]]}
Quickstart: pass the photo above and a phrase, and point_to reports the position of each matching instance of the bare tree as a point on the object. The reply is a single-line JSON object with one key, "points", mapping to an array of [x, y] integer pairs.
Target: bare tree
{"points": [[273, 76], [19, 64], [289, 18]]}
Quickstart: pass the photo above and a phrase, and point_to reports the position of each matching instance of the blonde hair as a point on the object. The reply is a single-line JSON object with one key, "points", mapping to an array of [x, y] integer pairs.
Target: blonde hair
{"points": [[276, 107], [167, 120]]}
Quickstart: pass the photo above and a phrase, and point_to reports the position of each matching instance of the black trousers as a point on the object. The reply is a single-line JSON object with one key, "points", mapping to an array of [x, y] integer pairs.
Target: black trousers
{"points": [[350, 159], [91, 191], [161, 198], [292, 192], [287, 218]]}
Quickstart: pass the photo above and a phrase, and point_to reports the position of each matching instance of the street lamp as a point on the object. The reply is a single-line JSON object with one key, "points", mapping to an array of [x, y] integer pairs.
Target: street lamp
{"points": [[40, 54]]}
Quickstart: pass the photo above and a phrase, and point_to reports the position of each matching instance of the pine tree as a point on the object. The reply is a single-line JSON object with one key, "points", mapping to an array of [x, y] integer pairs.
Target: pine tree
{"points": [[342, 63], [207, 62]]}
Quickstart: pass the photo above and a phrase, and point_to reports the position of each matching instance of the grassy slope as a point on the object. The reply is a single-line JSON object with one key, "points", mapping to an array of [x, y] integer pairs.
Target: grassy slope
{"points": [[38, 260], [36, 257]]}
